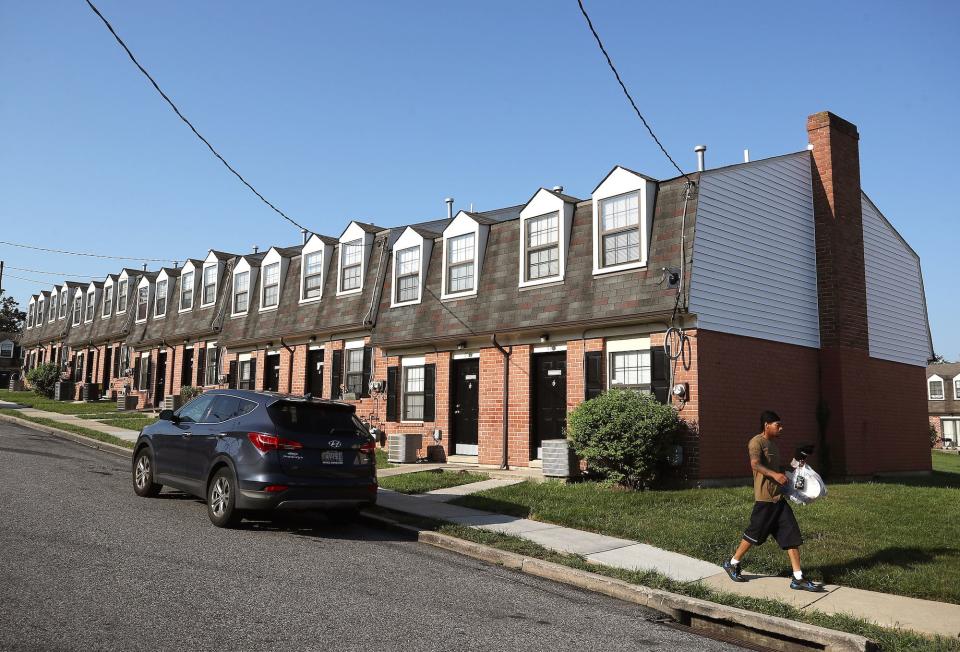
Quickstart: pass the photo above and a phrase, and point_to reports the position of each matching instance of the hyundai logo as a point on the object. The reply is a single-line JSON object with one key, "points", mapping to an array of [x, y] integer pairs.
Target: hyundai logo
{"points": [[335, 443]]}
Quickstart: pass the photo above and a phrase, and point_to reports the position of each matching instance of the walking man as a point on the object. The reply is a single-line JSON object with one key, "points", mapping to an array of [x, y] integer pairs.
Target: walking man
{"points": [[771, 515]]}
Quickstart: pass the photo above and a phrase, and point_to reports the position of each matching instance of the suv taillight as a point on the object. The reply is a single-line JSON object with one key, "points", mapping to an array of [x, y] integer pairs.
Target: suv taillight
{"points": [[368, 447], [265, 443]]}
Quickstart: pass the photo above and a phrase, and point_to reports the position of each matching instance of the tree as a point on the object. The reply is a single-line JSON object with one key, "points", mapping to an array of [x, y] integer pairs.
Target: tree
{"points": [[11, 317]]}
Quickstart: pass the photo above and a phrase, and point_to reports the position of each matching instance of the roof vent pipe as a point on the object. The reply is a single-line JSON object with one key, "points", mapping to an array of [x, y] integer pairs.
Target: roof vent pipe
{"points": [[700, 150], [558, 189], [303, 232], [144, 267], [746, 156], [449, 201], [256, 248]]}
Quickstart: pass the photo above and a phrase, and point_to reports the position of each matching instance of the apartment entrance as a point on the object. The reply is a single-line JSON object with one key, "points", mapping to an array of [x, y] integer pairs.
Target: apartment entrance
{"points": [[271, 372], [548, 401], [107, 366], [161, 379], [465, 400], [314, 380], [186, 367]]}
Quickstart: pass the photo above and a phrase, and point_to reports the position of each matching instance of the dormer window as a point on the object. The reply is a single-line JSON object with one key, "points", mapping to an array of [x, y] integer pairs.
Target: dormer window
{"points": [[271, 286], [408, 275], [31, 314], [143, 299], [543, 247], [6, 349], [77, 308], [209, 285], [460, 266], [622, 219], [63, 304], [956, 388], [54, 301], [620, 229], [312, 275], [241, 292], [935, 388], [160, 299], [122, 296], [186, 290], [91, 302], [40, 313], [411, 255], [107, 300], [351, 255]]}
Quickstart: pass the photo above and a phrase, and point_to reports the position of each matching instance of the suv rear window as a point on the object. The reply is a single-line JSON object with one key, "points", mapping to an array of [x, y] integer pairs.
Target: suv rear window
{"points": [[306, 418]]}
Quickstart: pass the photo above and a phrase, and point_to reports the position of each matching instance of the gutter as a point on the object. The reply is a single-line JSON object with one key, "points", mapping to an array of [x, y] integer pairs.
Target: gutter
{"points": [[505, 463]]}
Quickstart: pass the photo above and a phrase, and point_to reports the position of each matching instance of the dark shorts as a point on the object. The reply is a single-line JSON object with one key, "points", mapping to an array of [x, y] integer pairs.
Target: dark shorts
{"points": [[776, 520]]}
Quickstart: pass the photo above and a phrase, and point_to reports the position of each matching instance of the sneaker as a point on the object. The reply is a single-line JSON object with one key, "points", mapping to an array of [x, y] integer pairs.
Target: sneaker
{"points": [[733, 570], [805, 585]]}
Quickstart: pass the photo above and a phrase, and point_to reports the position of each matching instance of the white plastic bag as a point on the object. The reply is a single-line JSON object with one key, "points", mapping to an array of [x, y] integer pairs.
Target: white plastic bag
{"points": [[804, 485]]}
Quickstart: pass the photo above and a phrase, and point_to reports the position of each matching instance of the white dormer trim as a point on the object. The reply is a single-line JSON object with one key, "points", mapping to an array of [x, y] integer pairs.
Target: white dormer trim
{"points": [[956, 387], [354, 234], [410, 239], [77, 311], [243, 267], [185, 272], [542, 204], [144, 283], [273, 257], [42, 304], [211, 261], [943, 387], [463, 224], [64, 304], [623, 182], [123, 282], [31, 312], [88, 308], [54, 305], [315, 245], [108, 285], [163, 279]]}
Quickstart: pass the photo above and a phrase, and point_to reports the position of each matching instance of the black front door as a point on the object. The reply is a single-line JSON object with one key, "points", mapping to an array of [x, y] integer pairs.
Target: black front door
{"points": [[186, 368], [465, 399], [88, 378], [107, 366], [549, 404], [271, 373], [314, 381], [161, 378]]}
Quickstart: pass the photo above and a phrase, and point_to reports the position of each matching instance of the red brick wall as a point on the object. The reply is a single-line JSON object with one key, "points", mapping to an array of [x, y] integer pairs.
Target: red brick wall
{"points": [[490, 427]]}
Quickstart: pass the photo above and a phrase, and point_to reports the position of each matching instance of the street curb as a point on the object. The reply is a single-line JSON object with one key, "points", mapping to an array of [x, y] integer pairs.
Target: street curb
{"points": [[709, 617], [72, 436]]}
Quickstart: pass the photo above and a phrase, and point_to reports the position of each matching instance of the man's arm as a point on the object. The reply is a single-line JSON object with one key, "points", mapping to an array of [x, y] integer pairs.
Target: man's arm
{"points": [[777, 477]]}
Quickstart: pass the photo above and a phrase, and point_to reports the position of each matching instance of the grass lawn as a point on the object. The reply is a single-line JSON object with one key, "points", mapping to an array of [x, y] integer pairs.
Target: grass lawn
{"points": [[30, 399], [946, 463], [898, 537], [382, 462], [129, 421], [424, 481]]}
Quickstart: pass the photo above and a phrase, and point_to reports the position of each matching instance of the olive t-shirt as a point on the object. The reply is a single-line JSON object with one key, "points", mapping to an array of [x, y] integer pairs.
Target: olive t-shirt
{"points": [[764, 489]]}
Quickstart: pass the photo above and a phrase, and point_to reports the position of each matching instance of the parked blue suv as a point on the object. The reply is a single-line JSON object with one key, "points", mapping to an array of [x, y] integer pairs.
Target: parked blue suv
{"points": [[246, 451]]}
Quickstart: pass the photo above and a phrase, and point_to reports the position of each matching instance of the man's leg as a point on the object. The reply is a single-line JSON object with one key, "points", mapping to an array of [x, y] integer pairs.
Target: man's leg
{"points": [[794, 555], [742, 550]]}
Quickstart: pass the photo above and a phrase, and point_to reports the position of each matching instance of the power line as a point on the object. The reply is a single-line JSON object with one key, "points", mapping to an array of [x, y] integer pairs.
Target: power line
{"points": [[626, 92], [29, 280], [40, 271], [187, 122], [81, 253]]}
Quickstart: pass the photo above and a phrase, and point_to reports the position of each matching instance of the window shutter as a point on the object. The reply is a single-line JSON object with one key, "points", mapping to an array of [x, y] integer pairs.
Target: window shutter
{"points": [[429, 392], [136, 372], [253, 372], [232, 375], [337, 377], [593, 378], [367, 352], [660, 374], [149, 377], [201, 365], [392, 387]]}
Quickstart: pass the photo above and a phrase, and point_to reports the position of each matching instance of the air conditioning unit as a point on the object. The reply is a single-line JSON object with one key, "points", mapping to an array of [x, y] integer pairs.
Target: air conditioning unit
{"points": [[126, 402], [172, 402], [559, 460], [63, 391], [403, 448], [90, 392]]}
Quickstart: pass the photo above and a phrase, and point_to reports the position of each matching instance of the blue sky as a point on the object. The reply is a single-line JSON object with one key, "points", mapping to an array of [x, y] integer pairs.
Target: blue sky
{"points": [[377, 111]]}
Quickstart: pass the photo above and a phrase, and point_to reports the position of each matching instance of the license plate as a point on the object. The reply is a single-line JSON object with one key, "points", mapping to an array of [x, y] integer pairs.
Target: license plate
{"points": [[331, 457]]}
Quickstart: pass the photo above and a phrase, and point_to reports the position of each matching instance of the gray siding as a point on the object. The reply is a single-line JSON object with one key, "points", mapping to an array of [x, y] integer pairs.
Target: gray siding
{"points": [[754, 252], [896, 307]]}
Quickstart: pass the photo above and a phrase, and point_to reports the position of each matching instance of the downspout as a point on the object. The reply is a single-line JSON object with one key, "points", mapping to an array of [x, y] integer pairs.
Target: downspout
{"points": [[505, 463], [289, 367]]}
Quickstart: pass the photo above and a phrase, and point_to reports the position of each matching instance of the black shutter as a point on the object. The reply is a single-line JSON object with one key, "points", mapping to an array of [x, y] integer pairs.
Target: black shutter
{"points": [[365, 392], [201, 365], [136, 372], [392, 387], [337, 376], [429, 392], [146, 361], [253, 373], [660, 374], [232, 375], [593, 378]]}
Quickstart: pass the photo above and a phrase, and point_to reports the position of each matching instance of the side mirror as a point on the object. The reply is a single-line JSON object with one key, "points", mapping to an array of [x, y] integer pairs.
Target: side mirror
{"points": [[168, 415]]}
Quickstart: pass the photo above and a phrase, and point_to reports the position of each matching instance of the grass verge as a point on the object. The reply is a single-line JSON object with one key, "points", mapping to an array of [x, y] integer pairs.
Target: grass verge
{"points": [[424, 481], [80, 430], [30, 399], [382, 462], [889, 640], [893, 536], [946, 463], [130, 422]]}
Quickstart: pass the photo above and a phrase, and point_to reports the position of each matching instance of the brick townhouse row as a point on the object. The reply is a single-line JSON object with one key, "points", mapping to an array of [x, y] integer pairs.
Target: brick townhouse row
{"points": [[943, 395], [786, 288]]}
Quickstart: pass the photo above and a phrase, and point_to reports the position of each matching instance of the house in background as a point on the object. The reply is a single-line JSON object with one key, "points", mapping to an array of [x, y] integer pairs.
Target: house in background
{"points": [[943, 396], [11, 358]]}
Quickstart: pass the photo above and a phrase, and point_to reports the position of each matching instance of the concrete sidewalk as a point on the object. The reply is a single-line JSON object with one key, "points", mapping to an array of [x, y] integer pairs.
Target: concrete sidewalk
{"points": [[924, 616], [120, 433]]}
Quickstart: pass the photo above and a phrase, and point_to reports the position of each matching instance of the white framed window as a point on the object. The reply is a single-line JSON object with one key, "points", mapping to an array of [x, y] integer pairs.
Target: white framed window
{"points": [[407, 275], [413, 392], [312, 287], [77, 307], [950, 432], [6, 349], [935, 388], [63, 304], [241, 292], [186, 291], [144, 380], [620, 230], [956, 388], [107, 301], [143, 301], [245, 378], [31, 314], [211, 375], [460, 263], [351, 265], [629, 370], [160, 299], [54, 306], [40, 313], [353, 371], [122, 296], [271, 286], [209, 295], [91, 303], [542, 246]]}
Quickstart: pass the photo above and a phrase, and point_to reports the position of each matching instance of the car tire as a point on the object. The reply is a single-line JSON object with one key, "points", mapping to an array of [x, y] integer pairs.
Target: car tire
{"points": [[343, 516], [143, 484], [222, 499]]}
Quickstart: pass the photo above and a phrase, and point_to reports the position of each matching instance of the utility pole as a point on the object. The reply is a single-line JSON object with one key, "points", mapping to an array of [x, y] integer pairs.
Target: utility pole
{"points": [[1, 277]]}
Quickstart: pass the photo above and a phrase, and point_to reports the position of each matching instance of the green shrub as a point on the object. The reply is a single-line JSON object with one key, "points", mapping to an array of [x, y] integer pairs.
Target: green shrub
{"points": [[43, 377], [934, 436], [189, 391], [623, 436]]}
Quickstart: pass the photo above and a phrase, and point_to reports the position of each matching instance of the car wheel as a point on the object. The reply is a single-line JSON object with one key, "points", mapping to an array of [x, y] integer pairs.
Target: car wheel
{"points": [[143, 483], [342, 516], [222, 499]]}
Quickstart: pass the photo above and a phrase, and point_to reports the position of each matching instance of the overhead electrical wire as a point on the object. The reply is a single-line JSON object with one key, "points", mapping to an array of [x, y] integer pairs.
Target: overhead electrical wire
{"points": [[40, 271], [188, 123], [29, 280], [627, 93], [82, 253]]}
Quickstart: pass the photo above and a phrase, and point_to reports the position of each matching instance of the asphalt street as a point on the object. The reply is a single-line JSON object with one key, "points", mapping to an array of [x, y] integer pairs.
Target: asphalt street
{"points": [[87, 565]]}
